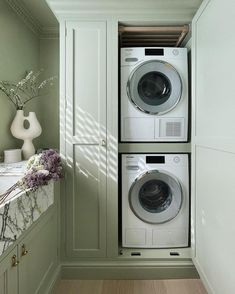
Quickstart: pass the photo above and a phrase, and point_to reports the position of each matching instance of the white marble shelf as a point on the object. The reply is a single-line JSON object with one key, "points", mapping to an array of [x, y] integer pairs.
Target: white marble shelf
{"points": [[18, 214]]}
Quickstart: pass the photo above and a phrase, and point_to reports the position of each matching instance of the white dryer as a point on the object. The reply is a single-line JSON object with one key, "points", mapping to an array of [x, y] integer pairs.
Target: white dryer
{"points": [[155, 200], [154, 95]]}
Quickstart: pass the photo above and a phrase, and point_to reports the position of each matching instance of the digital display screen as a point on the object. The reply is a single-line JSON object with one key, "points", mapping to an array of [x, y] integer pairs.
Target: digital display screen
{"points": [[155, 159], [159, 52]]}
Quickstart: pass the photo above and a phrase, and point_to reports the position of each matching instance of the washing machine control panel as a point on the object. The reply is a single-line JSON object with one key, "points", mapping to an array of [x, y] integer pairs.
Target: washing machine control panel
{"points": [[137, 162], [131, 56]]}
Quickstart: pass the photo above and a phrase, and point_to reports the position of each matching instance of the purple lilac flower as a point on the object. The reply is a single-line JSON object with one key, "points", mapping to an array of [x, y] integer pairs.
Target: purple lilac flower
{"points": [[37, 176], [51, 161], [35, 179]]}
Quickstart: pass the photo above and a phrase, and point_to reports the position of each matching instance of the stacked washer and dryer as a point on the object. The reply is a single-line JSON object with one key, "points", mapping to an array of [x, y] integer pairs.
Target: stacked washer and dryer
{"points": [[154, 108]]}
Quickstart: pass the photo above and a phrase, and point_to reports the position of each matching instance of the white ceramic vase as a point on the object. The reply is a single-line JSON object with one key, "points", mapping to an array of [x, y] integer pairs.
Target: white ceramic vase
{"points": [[27, 134]]}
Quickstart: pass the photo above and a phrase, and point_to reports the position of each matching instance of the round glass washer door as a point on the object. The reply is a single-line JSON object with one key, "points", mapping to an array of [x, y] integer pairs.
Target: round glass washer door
{"points": [[154, 87], [155, 197]]}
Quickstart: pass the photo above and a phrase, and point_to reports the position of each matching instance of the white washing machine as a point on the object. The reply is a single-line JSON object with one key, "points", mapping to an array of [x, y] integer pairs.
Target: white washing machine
{"points": [[155, 200], [154, 95]]}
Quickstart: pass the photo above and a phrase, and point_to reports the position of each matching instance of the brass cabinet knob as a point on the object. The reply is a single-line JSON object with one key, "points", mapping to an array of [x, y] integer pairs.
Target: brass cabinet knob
{"points": [[23, 250], [14, 261]]}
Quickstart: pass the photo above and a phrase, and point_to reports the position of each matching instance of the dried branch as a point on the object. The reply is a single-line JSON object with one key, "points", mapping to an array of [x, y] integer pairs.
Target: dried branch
{"points": [[26, 89]]}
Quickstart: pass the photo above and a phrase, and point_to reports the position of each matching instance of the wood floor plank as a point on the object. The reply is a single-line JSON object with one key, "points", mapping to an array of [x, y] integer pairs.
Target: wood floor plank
{"points": [[191, 286], [125, 286], [179, 286], [110, 286], [63, 287], [117, 287], [83, 286], [143, 287], [80, 286], [160, 287]]}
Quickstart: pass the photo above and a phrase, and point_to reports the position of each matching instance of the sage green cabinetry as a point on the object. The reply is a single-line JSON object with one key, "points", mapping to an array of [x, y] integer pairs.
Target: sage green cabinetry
{"points": [[85, 138], [8, 273], [30, 266], [37, 254]]}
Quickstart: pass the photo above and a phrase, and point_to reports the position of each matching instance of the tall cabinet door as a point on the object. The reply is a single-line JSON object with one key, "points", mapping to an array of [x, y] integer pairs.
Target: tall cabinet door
{"points": [[86, 138], [214, 144]]}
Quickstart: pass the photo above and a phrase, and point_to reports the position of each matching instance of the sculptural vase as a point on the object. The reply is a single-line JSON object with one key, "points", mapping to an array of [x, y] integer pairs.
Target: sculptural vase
{"points": [[27, 134]]}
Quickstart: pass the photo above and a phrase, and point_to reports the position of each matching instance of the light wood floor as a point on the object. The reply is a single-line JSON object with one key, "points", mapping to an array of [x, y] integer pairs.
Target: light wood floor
{"points": [[188, 286]]}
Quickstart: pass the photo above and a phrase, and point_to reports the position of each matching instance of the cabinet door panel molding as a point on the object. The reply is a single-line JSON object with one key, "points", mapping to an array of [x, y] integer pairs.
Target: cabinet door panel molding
{"points": [[86, 137]]}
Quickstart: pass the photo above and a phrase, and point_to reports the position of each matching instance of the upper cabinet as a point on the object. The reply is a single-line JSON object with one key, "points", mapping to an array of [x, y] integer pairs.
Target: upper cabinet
{"points": [[85, 137]]}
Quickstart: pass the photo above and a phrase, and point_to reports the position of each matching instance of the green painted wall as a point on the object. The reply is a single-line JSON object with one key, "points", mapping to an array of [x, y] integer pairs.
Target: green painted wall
{"points": [[21, 50], [48, 108]]}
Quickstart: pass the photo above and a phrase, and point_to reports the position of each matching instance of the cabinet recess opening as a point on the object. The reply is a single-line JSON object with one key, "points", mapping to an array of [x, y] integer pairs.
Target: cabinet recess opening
{"points": [[152, 36]]}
